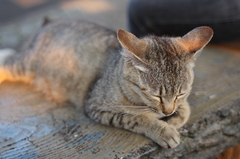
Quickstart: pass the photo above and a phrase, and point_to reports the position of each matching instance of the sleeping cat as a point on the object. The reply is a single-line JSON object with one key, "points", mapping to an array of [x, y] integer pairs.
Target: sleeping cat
{"points": [[142, 87]]}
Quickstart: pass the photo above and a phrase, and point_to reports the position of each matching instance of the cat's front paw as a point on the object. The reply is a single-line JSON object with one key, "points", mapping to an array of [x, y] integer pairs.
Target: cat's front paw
{"points": [[169, 137], [180, 117], [175, 121]]}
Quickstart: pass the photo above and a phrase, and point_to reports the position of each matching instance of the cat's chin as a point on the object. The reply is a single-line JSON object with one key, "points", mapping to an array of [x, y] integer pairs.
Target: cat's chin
{"points": [[158, 115], [166, 117], [162, 115]]}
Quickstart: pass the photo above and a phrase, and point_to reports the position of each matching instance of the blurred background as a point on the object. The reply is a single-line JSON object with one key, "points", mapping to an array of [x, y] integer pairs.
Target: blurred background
{"points": [[21, 18], [13, 9]]}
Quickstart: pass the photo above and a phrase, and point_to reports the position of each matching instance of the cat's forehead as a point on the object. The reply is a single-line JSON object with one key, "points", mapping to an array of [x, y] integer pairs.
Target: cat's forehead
{"points": [[164, 54], [166, 82], [168, 69], [161, 49], [164, 45], [167, 76]]}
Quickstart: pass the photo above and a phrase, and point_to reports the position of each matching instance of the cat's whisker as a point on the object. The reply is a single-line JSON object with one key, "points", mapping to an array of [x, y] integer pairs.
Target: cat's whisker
{"points": [[127, 111], [153, 109], [141, 114], [128, 114], [137, 115], [129, 106]]}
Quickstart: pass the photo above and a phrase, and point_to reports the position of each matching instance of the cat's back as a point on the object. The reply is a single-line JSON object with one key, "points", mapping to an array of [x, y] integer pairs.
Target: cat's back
{"points": [[74, 46], [69, 55], [77, 32], [88, 36]]}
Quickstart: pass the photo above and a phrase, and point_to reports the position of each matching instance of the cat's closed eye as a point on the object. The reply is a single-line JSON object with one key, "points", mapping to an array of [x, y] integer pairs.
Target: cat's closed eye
{"points": [[143, 88], [158, 97], [180, 95]]}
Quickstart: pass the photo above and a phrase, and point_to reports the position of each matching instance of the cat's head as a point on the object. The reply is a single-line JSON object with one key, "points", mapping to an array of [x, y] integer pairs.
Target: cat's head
{"points": [[159, 70]]}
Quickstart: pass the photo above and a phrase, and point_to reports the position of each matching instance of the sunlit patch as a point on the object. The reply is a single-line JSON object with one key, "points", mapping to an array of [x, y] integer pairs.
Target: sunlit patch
{"points": [[89, 6], [28, 3]]}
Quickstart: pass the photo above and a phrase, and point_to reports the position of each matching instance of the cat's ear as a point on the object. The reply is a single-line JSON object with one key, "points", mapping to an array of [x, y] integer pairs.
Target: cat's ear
{"points": [[135, 49], [196, 39], [130, 42]]}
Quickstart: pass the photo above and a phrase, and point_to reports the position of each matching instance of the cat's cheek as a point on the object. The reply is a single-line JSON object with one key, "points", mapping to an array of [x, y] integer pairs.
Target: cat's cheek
{"points": [[180, 102]]}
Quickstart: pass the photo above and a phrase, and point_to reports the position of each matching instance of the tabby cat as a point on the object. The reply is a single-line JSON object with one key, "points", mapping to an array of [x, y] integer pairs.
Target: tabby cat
{"points": [[142, 87]]}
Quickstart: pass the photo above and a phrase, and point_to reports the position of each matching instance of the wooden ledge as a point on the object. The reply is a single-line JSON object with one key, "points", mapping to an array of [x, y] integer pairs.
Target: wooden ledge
{"points": [[32, 127]]}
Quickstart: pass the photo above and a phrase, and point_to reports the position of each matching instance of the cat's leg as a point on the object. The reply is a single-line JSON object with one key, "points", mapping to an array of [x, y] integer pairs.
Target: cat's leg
{"points": [[8, 73], [17, 72], [15, 69], [159, 131], [24, 68], [181, 116]]}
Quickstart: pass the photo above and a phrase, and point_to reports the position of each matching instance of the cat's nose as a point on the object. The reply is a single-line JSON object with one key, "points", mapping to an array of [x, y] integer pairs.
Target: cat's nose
{"points": [[168, 108], [167, 112]]}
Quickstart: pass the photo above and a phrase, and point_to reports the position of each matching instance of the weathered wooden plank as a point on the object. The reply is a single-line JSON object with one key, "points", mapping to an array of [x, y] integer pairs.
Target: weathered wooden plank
{"points": [[32, 127]]}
